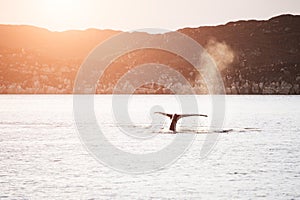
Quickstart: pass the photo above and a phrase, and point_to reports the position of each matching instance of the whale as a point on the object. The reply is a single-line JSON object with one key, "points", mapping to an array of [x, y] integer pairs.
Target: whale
{"points": [[175, 117]]}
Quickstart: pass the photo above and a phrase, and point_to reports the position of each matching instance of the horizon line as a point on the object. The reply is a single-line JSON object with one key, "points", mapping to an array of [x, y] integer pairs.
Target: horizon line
{"points": [[139, 29]]}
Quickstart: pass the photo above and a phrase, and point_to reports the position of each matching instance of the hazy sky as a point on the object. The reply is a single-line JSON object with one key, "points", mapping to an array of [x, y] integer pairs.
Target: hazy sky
{"points": [[137, 14]]}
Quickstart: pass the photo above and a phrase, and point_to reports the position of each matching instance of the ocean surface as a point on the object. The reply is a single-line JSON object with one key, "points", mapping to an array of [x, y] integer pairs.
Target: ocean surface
{"points": [[256, 153]]}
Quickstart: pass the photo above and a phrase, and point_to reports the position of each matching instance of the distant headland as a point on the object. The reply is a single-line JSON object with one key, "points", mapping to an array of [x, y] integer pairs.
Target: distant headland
{"points": [[254, 57]]}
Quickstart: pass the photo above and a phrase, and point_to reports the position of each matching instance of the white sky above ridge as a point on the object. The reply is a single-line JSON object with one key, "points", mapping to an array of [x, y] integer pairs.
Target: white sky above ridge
{"points": [[126, 15]]}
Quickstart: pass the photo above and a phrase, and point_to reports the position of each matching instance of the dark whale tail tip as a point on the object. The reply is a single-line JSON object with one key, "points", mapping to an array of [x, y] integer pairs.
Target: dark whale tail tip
{"points": [[175, 117]]}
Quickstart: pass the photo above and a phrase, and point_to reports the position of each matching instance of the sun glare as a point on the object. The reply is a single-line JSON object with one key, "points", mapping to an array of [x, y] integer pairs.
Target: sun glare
{"points": [[60, 10]]}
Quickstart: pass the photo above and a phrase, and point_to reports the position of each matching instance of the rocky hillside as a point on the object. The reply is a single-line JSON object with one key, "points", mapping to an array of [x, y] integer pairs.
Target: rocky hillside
{"points": [[257, 45], [253, 56], [56, 45]]}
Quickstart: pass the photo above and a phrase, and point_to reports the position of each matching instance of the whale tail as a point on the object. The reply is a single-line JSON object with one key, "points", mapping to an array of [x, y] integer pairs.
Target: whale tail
{"points": [[176, 117]]}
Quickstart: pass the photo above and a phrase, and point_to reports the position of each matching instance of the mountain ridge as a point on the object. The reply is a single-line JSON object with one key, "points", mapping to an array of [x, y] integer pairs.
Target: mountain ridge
{"points": [[32, 37], [253, 56]]}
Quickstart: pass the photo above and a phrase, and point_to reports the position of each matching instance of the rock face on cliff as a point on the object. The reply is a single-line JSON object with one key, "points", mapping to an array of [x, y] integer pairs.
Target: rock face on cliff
{"points": [[55, 45], [253, 56], [259, 46]]}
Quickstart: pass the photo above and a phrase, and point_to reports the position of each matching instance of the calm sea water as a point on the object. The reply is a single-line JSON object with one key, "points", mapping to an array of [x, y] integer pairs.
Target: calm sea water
{"points": [[257, 155]]}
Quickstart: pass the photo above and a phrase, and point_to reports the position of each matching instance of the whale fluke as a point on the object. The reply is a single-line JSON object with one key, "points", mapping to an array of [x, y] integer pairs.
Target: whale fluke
{"points": [[175, 117]]}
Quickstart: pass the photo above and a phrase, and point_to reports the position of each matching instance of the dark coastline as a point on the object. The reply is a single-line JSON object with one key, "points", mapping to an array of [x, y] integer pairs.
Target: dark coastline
{"points": [[266, 58]]}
